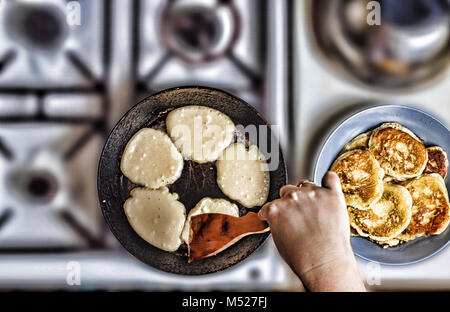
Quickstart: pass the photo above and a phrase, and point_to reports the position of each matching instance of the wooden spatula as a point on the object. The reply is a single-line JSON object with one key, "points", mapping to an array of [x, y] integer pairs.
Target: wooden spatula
{"points": [[212, 233]]}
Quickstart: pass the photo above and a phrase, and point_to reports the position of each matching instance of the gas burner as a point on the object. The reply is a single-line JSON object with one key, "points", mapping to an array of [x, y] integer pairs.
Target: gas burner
{"points": [[200, 31], [409, 48], [45, 201], [40, 186], [40, 27], [38, 49], [216, 43], [54, 106]]}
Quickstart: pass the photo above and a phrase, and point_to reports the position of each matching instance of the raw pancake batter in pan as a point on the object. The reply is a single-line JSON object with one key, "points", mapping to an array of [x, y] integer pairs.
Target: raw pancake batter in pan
{"points": [[157, 216], [151, 159], [199, 132], [243, 175]]}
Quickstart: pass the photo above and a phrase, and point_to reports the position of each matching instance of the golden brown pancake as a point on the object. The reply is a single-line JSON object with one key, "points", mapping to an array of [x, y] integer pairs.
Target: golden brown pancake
{"points": [[390, 243], [430, 208], [353, 232], [359, 142], [399, 151], [361, 178], [437, 161], [387, 218]]}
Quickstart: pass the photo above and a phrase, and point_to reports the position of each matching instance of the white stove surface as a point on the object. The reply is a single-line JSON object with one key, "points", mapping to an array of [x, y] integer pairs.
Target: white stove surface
{"points": [[48, 63], [42, 238], [322, 96], [124, 272], [159, 67], [28, 224]]}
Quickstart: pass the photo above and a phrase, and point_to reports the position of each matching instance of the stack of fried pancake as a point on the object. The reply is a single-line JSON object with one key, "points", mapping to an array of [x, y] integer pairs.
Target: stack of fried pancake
{"points": [[393, 185]]}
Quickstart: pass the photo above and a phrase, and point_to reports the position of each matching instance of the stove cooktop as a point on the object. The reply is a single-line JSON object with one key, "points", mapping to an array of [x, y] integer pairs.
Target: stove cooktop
{"points": [[63, 86]]}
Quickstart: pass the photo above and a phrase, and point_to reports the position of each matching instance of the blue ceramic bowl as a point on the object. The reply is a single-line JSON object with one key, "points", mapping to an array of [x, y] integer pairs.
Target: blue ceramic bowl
{"points": [[431, 131]]}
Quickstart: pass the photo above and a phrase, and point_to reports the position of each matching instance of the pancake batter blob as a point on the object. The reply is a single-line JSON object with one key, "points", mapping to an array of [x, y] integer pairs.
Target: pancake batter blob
{"points": [[157, 216], [151, 159], [199, 132], [243, 175]]}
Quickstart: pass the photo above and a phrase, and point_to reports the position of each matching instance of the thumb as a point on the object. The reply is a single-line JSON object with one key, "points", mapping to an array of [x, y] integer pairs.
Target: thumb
{"points": [[262, 213], [331, 181], [268, 211]]}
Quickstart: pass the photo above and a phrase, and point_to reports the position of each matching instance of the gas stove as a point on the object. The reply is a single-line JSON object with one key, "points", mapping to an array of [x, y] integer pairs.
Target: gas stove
{"points": [[63, 86], [196, 42], [53, 120], [329, 90]]}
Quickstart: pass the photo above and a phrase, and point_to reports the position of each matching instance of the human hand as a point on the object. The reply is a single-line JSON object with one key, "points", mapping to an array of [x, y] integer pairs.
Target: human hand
{"points": [[311, 230]]}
